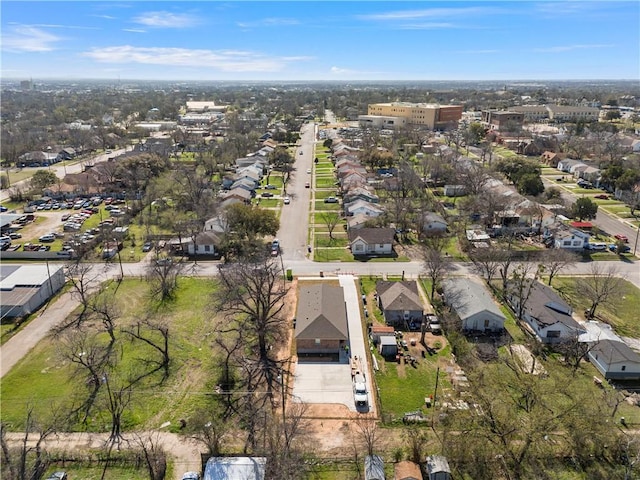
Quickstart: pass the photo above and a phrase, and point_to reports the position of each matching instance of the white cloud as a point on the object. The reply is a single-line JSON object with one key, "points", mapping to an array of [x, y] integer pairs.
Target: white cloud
{"points": [[167, 20], [427, 26], [26, 38], [569, 48], [270, 22], [134, 30], [429, 13], [223, 60]]}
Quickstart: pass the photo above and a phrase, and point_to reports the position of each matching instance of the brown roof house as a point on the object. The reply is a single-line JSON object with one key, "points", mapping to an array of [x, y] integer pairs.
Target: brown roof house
{"points": [[407, 470], [321, 323], [371, 241], [400, 302]]}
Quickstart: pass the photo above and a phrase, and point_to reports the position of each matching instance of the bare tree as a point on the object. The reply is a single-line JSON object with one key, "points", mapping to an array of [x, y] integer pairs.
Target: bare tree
{"points": [[331, 220], [522, 283], [155, 334], [163, 278], [368, 434], [487, 261], [105, 307], [90, 359], [601, 287], [435, 267], [117, 401], [556, 260], [211, 429], [29, 460], [82, 279], [154, 455], [251, 296]]}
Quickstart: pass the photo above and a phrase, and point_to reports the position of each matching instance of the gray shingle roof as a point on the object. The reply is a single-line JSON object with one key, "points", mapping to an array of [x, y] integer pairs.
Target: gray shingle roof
{"points": [[399, 295], [469, 298], [321, 313], [615, 352], [373, 235]]}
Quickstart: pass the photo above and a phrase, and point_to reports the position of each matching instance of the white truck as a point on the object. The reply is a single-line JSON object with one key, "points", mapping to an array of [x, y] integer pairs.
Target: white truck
{"points": [[359, 383]]}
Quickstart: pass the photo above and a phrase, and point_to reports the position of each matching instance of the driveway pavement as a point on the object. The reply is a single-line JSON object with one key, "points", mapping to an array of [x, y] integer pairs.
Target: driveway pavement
{"points": [[331, 382]]}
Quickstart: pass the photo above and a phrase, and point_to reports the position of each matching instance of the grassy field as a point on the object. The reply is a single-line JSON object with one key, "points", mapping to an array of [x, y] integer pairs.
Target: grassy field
{"points": [[325, 182], [622, 315], [332, 255], [47, 380], [76, 471]]}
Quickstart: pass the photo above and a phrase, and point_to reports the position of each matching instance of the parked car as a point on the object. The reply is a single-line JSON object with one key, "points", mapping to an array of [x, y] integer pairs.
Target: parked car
{"points": [[602, 196], [270, 187], [621, 237], [58, 476], [308, 170], [49, 237], [598, 247], [287, 200], [14, 236], [3, 208], [331, 200], [147, 247], [624, 249], [267, 195], [191, 476], [307, 185]]}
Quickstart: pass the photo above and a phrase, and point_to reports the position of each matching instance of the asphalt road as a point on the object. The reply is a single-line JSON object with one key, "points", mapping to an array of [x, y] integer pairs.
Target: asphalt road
{"points": [[294, 218]]}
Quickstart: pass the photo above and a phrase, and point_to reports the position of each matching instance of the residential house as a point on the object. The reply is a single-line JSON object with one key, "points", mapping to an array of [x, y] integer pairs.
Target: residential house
{"points": [[548, 316], [571, 239], [67, 153], [360, 193], [550, 158], [321, 322], [362, 207], [217, 224], [245, 183], [233, 468], [373, 468], [568, 165], [615, 360], [588, 173], [400, 302], [433, 224], [358, 221], [250, 160], [474, 305], [371, 241], [353, 179], [206, 243], [239, 193], [407, 470], [437, 468], [248, 173], [454, 190]]}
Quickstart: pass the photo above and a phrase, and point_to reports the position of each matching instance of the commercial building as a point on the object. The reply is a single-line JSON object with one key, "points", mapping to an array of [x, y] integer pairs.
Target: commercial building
{"points": [[24, 288], [398, 114], [502, 120]]}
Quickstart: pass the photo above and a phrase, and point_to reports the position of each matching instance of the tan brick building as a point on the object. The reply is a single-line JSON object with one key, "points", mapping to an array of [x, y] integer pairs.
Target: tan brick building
{"points": [[397, 114]]}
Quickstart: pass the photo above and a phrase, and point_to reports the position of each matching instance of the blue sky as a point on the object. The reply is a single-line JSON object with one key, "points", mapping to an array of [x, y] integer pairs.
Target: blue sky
{"points": [[329, 40]]}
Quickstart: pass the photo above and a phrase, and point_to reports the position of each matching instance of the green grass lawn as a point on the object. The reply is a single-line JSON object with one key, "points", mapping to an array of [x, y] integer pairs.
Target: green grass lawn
{"points": [[45, 379], [268, 202], [339, 240], [322, 194], [332, 255], [622, 315], [114, 472], [325, 182], [275, 179], [326, 207]]}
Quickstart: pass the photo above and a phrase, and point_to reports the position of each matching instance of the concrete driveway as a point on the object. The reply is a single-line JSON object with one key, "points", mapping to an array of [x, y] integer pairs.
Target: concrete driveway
{"points": [[331, 382]]}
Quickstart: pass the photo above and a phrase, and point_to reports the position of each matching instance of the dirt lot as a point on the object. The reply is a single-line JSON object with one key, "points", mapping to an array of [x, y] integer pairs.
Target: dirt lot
{"points": [[46, 222]]}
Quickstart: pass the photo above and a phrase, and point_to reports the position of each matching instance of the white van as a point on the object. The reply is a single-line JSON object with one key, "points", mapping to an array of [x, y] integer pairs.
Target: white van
{"points": [[360, 390]]}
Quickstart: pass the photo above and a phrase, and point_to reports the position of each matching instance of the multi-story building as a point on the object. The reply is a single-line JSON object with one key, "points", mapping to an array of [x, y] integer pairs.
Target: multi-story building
{"points": [[395, 114], [532, 113], [502, 120], [557, 113]]}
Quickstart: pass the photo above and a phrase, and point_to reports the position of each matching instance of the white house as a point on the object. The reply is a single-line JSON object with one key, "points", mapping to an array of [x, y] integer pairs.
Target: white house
{"points": [[548, 316], [571, 239], [368, 241], [474, 305], [205, 244], [568, 165], [454, 190], [362, 207], [433, 224], [615, 360]]}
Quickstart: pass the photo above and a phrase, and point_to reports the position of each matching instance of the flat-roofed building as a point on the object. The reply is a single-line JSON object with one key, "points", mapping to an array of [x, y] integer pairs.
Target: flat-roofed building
{"points": [[396, 114], [506, 119], [24, 288]]}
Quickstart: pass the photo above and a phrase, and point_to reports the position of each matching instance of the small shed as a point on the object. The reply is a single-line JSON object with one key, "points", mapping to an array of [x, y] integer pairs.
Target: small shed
{"points": [[388, 346], [438, 468], [373, 468]]}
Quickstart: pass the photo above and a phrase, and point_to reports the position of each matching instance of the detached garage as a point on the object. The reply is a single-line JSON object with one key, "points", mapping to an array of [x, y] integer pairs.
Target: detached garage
{"points": [[24, 288]]}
